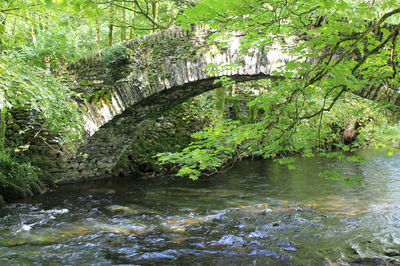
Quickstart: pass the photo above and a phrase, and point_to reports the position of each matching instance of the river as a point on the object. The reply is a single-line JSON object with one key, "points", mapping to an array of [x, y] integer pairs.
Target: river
{"points": [[255, 213]]}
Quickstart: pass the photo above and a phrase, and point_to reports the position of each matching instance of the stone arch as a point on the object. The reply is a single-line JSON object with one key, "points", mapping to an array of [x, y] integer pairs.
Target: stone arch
{"points": [[125, 85]]}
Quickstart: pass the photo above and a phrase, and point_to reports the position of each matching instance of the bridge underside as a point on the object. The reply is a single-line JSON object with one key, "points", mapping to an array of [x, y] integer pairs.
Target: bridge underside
{"points": [[101, 153]]}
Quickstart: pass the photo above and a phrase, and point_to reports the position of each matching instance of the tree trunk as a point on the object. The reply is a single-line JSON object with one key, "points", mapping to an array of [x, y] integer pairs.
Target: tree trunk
{"points": [[3, 127], [154, 11], [2, 31], [33, 33], [14, 27], [111, 26], [123, 22], [132, 29], [98, 40]]}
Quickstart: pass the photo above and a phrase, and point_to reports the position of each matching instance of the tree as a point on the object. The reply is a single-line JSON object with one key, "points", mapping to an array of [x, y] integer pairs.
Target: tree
{"points": [[123, 22], [154, 12], [133, 22], [338, 47], [111, 26]]}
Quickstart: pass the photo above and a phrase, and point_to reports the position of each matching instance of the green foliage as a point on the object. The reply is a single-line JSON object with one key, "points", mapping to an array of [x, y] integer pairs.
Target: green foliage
{"points": [[100, 97], [198, 112], [64, 44], [33, 28], [3, 112], [337, 47], [71, 29], [214, 147], [220, 99], [170, 133], [115, 57], [23, 86], [352, 47], [18, 179], [227, 141]]}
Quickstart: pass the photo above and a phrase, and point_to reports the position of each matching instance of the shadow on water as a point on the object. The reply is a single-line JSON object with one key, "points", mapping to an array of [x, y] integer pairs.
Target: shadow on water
{"points": [[258, 212]]}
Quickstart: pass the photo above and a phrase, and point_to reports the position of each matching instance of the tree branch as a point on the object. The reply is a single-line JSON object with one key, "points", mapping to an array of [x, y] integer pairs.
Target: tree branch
{"points": [[323, 109], [394, 33], [141, 12], [392, 55], [16, 8]]}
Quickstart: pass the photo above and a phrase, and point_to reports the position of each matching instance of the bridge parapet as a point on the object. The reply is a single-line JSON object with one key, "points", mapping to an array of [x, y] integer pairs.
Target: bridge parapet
{"points": [[154, 63]]}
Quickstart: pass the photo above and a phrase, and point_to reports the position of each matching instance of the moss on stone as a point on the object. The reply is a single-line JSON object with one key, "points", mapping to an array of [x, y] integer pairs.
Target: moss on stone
{"points": [[237, 109], [235, 99], [16, 127], [86, 82], [167, 134], [139, 158], [166, 75], [152, 53], [99, 97]]}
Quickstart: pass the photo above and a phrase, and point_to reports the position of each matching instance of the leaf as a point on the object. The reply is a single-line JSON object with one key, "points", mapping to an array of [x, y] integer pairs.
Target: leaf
{"points": [[291, 167], [291, 65], [76, 6], [49, 3], [288, 74]]}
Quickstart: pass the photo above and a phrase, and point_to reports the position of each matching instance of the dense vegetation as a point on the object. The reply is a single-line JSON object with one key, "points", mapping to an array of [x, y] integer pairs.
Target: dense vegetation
{"points": [[66, 30], [339, 46], [352, 123]]}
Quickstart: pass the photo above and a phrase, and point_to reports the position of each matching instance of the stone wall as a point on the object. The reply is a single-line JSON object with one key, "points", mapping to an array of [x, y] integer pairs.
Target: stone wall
{"points": [[26, 132]]}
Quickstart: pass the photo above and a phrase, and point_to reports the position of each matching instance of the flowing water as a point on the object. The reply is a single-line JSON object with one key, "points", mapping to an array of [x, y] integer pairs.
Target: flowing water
{"points": [[257, 213]]}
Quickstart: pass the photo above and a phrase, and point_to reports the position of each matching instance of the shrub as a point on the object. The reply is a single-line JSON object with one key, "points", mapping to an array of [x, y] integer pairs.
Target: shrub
{"points": [[115, 56], [18, 179]]}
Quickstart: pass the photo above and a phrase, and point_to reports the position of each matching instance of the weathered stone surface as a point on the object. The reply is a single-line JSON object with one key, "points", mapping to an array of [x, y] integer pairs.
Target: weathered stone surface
{"points": [[162, 70]]}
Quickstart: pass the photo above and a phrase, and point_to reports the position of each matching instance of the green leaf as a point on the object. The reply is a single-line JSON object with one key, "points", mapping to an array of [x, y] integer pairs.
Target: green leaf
{"points": [[288, 74], [49, 3]]}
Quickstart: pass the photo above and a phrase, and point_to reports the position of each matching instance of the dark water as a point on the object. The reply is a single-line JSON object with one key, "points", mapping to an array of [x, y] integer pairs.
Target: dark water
{"points": [[256, 213]]}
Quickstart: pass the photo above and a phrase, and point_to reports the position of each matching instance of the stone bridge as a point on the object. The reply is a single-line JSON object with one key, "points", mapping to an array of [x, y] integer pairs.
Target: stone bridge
{"points": [[143, 77]]}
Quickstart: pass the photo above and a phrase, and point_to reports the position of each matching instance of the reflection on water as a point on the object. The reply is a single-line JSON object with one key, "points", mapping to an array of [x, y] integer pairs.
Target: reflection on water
{"points": [[255, 213]]}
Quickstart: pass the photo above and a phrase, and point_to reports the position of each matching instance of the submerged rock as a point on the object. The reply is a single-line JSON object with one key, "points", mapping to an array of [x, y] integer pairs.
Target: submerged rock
{"points": [[258, 234], [287, 246], [369, 261], [155, 256], [131, 209], [55, 211], [232, 240], [270, 253], [392, 253], [264, 252]]}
